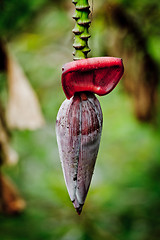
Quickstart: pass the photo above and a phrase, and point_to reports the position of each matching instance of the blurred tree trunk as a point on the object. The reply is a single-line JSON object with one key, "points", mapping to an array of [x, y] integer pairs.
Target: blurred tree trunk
{"points": [[141, 71]]}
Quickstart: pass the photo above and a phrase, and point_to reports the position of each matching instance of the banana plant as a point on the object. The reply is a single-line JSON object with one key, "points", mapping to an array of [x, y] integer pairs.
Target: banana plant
{"points": [[79, 120]]}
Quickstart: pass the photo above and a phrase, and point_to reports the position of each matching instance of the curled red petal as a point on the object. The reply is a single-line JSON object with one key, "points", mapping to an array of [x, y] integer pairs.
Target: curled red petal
{"points": [[99, 75]]}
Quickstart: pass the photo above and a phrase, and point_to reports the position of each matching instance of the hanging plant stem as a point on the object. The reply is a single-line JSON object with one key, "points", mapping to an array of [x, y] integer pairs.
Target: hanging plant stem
{"points": [[81, 29], [79, 120]]}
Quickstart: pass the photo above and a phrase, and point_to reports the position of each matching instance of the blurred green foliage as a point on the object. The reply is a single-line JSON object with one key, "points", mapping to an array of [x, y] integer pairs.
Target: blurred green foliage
{"points": [[15, 14], [124, 199]]}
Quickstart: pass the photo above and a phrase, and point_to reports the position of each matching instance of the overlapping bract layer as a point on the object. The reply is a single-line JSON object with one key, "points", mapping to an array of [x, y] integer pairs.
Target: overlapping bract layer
{"points": [[78, 129]]}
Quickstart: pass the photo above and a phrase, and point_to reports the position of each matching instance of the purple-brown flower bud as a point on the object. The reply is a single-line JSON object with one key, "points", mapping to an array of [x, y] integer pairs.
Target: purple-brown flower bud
{"points": [[78, 129]]}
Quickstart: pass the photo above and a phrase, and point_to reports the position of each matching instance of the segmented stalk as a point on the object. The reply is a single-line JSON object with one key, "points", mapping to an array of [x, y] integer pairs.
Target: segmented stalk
{"points": [[81, 29]]}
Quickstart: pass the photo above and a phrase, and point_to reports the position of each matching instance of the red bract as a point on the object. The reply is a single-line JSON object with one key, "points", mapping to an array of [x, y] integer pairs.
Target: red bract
{"points": [[99, 75]]}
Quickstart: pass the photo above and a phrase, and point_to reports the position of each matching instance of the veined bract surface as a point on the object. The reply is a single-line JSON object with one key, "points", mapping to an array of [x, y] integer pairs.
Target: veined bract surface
{"points": [[78, 130]]}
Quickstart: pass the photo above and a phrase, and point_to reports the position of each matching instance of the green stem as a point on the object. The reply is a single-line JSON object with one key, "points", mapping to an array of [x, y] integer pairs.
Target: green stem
{"points": [[81, 29]]}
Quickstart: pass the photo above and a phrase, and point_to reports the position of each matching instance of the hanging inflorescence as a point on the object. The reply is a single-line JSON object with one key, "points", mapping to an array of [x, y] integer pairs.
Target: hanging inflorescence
{"points": [[81, 29]]}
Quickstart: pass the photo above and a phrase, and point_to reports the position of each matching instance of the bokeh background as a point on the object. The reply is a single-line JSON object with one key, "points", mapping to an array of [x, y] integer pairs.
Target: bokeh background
{"points": [[123, 202]]}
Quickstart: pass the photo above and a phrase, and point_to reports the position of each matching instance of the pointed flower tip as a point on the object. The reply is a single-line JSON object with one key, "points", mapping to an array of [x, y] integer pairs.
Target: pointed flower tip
{"points": [[79, 210], [99, 75], [78, 207]]}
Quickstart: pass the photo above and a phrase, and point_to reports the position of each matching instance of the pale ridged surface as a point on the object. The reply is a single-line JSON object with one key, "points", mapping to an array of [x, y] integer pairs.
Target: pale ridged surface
{"points": [[78, 129], [68, 139]]}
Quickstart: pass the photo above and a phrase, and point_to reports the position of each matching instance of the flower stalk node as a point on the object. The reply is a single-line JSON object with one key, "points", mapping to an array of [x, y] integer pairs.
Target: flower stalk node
{"points": [[80, 30]]}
